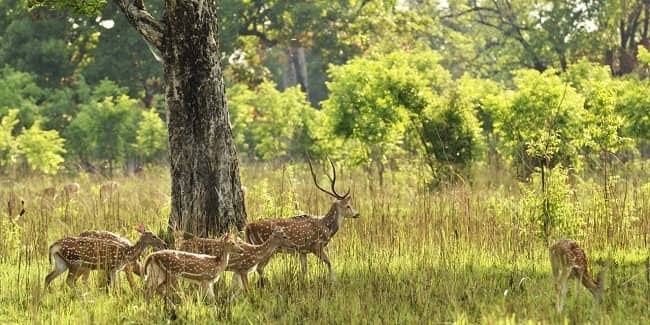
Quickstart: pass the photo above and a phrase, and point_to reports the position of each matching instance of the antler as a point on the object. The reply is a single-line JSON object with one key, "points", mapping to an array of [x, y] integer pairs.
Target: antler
{"points": [[332, 181]]}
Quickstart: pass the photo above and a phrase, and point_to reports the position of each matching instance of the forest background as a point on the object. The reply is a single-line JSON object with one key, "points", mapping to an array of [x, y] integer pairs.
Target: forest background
{"points": [[546, 99]]}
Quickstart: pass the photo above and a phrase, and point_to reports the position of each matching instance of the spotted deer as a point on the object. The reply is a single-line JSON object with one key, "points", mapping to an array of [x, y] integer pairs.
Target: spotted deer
{"points": [[78, 253], [243, 263], [568, 261], [48, 197], [129, 269], [162, 268], [15, 205], [70, 191], [49, 193], [309, 234], [107, 190]]}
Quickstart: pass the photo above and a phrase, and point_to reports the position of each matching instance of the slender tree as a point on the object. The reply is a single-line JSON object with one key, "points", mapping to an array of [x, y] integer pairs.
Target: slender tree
{"points": [[206, 189]]}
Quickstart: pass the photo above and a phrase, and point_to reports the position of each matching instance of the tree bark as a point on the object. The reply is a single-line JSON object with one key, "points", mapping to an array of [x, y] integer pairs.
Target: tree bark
{"points": [[295, 68], [206, 190]]}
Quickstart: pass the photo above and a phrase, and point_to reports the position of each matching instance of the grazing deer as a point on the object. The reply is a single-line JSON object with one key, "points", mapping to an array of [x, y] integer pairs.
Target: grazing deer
{"points": [[129, 269], [246, 262], [49, 194], [163, 267], [568, 261], [47, 197], [70, 191], [15, 205], [309, 234], [77, 253], [107, 190]]}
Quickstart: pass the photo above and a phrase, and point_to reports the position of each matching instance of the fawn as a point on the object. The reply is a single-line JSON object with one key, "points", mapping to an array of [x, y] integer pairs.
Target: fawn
{"points": [[76, 254], [568, 261], [129, 269], [161, 268], [243, 263]]}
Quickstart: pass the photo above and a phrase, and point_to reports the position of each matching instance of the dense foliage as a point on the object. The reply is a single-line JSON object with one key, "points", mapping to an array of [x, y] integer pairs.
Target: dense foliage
{"points": [[481, 130], [443, 84]]}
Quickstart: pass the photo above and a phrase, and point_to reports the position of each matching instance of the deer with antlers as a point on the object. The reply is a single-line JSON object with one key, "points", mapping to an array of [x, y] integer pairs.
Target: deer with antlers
{"points": [[76, 254], [309, 234], [162, 268], [243, 263], [568, 261], [129, 269]]}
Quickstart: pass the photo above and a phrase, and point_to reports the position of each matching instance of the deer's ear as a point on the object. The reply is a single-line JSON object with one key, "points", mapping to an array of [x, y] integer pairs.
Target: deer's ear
{"points": [[227, 237], [140, 228]]}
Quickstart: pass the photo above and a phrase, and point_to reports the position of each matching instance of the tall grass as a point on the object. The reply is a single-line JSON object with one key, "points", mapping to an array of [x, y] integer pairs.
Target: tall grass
{"points": [[465, 253]]}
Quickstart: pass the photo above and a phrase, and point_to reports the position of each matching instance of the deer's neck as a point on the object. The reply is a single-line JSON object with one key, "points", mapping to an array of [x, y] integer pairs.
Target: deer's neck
{"points": [[134, 252], [267, 249], [590, 283], [223, 259], [333, 220]]}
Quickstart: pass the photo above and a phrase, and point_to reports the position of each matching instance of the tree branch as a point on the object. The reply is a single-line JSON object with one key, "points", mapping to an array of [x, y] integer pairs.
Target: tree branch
{"points": [[468, 11], [262, 37], [144, 23]]}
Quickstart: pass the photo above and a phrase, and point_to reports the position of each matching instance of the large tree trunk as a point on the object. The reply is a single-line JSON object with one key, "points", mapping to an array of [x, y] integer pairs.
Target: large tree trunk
{"points": [[295, 68], [206, 191]]}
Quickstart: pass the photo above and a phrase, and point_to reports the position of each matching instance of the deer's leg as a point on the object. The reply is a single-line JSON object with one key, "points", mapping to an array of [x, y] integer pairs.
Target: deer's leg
{"points": [[84, 273], [113, 280], [244, 281], [150, 288], [236, 278], [303, 266], [156, 283], [208, 288], [557, 278], [562, 284], [129, 276], [260, 271], [161, 287], [136, 268], [73, 274], [59, 267], [322, 254]]}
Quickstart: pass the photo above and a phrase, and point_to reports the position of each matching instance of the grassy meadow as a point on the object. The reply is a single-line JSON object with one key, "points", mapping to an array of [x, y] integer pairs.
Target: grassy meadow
{"points": [[463, 254]]}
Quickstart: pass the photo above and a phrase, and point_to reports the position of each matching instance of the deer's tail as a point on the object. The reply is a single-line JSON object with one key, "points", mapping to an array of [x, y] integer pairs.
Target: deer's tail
{"points": [[252, 235], [54, 249], [145, 269]]}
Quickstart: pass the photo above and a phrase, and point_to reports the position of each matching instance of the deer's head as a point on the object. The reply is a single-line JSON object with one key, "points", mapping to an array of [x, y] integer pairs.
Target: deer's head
{"points": [[231, 245], [280, 237], [149, 238], [345, 208], [342, 202]]}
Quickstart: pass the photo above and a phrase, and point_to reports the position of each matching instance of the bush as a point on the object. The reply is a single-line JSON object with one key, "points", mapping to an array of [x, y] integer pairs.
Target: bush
{"points": [[270, 124], [105, 129], [8, 148], [542, 123], [549, 209], [43, 150], [402, 103], [151, 136], [451, 136]]}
